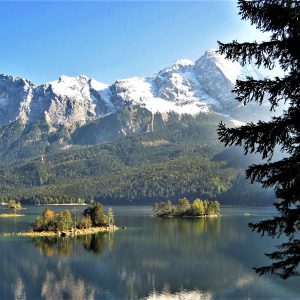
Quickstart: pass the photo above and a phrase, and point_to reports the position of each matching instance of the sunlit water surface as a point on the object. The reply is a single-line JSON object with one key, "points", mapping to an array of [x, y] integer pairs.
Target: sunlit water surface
{"points": [[152, 259]]}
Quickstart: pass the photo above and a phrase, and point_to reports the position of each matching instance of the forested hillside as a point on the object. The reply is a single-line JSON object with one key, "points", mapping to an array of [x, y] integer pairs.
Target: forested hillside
{"points": [[178, 158]]}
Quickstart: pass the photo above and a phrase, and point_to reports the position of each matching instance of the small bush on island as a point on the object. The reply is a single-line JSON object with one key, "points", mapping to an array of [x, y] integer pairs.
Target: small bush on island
{"points": [[184, 208], [93, 216], [14, 205]]}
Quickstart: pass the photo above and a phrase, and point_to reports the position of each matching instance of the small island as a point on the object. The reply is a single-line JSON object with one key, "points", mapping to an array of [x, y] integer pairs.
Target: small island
{"points": [[184, 209], [14, 206], [93, 220]]}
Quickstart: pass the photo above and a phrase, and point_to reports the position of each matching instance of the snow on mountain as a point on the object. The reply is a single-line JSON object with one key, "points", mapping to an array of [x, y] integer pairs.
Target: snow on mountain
{"points": [[69, 101], [184, 88], [76, 100], [15, 95], [229, 69], [142, 92]]}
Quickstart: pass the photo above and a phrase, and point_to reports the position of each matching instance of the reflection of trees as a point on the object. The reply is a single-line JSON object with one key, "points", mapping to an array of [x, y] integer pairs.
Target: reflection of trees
{"points": [[152, 257], [51, 246], [95, 243], [178, 253], [185, 235]]}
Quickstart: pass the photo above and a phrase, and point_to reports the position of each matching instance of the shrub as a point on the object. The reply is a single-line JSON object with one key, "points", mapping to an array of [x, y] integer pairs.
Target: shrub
{"points": [[85, 222], [97, 215]]}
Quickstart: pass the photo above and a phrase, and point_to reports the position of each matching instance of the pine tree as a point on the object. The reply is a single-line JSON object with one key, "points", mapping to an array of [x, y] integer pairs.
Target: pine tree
{"points": [[282, 20]]}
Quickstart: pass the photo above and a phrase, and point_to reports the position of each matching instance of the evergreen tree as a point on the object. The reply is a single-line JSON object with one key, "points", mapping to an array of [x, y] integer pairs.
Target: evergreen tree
{"points": [[281, 19], [97, 215]]}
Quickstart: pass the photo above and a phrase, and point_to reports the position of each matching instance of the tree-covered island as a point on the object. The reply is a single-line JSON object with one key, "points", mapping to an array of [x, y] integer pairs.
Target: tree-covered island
{"points": [[94, 219], [14, 206], [183, 208]]}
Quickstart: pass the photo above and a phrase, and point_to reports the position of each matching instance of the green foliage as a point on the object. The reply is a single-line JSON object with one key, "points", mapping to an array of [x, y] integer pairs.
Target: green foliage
{"points": [[20, 142], [97, 215], [51, 221], [281, 20], [85, 222], [46, 222], [176, 160], [14, 205], [93, 216], [164, 209], [197, 208], [183, 208], [64, 221]]}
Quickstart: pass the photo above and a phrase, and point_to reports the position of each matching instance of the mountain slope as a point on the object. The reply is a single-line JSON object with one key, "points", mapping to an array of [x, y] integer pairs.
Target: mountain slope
{"points": [[177, 160]]}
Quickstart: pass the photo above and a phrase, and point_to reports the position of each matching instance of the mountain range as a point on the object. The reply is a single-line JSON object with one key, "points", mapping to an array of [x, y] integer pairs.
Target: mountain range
{"points": [[184, 88], [155, 136]]}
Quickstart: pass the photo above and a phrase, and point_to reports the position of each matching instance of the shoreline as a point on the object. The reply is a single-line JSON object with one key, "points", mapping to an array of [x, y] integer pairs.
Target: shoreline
{"points": [[190, 217], [91, 230], [203, 216], [11, 215], [62, 204]]}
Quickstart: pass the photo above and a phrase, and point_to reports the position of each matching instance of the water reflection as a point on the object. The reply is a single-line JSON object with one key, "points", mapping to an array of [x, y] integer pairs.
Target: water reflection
{"points": [[152, 259], [67, 287], [183, 295], [95, 243], [19, 289]]}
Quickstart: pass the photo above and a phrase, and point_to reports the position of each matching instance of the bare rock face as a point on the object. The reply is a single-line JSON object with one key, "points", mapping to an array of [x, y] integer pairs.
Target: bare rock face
{"points": [[71, 101], [184, 88], [15, 98]]}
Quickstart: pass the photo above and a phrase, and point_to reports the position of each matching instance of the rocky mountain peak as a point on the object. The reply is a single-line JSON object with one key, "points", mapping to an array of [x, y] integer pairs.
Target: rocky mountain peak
{"points": [[184, 88]]}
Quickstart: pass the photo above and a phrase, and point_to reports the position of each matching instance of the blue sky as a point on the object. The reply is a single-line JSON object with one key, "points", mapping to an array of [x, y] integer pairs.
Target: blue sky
{"points": [[111, 40]]}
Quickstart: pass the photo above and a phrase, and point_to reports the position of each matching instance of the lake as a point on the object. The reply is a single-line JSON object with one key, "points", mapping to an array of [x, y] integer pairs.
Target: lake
{"points": [[152, 259]]}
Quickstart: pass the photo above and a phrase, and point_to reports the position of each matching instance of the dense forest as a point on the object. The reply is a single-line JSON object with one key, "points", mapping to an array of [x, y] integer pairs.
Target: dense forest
{"points": [[182, 157]]}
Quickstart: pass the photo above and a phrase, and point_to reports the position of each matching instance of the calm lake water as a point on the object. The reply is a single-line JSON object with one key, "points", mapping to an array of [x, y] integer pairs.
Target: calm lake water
{"points": [[152, 259]]}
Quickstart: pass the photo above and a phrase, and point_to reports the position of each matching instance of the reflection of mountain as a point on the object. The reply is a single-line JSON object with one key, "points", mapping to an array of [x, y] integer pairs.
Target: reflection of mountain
{"points": [[19, 289], [67, 287], [183, 295], [153, 257]]}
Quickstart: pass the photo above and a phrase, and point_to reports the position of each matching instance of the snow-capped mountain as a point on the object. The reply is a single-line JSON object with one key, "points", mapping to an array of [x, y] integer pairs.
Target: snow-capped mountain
{"points": [[184, 88], [67, 101]]}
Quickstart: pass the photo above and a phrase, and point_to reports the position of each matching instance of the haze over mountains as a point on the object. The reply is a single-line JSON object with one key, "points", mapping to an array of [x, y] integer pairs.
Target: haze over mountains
{"points": [[184, 88]]}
